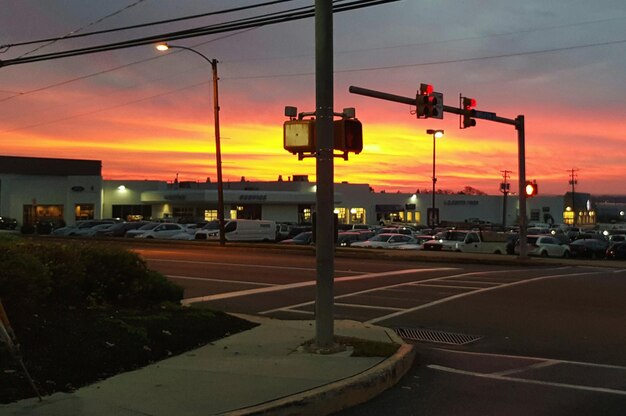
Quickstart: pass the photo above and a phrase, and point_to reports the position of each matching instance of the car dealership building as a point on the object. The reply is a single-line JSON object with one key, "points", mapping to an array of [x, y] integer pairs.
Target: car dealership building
{"points": [[68, 190]]}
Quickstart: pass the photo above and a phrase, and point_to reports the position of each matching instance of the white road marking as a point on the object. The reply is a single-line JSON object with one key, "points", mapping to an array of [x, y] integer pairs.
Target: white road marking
{"points": [[376, 289], [206, 279], [305, 284], [444, 286], [527, 381], [547, 363], [473, 292], [255, 266], [524, 357], [356, 305]]}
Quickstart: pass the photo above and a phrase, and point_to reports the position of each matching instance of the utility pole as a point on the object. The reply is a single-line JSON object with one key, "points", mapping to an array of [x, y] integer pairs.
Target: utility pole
{"points": [[325, 240], [573, 181], [504, 188]]}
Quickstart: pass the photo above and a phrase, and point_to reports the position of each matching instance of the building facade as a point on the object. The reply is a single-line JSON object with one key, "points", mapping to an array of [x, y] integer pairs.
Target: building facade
{"points": [[65, 191]]}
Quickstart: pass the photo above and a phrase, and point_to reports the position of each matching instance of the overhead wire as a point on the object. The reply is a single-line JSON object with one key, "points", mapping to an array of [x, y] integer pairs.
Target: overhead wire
{"points": [[142, 25], [73, 32], [270, 19]]}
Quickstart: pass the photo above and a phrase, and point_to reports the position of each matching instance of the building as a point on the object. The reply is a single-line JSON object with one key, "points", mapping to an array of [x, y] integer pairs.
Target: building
{"points": [[55, 190], [65, 190]]}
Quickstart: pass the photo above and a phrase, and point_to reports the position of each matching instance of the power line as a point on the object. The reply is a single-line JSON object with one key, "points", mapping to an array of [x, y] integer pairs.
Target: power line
{"points": [[160, 22], [273, 18], [70, 34]]}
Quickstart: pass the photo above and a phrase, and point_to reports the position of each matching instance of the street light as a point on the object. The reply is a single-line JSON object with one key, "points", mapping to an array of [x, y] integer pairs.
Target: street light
{"points": [[218, 153], [433, 218]]}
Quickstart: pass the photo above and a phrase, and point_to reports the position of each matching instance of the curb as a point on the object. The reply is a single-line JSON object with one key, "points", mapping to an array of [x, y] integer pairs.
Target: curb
{"points": [[340, 394]]}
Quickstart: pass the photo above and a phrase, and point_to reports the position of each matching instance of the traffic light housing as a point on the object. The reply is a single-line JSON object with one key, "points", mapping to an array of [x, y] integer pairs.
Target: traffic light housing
{"points": [[348, 135], [468, 105], [299, 136], [530, 189], [429, 103]]}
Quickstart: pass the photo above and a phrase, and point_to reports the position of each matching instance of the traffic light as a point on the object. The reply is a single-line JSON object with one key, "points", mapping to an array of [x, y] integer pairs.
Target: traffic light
{"points": [[468, 105], [429, 103], [530, 189], [299, 136], [348, 134]]}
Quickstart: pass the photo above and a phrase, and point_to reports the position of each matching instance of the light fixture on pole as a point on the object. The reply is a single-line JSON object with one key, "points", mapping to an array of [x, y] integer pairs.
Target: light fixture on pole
{"points": [[218, 153], [433, 215]]}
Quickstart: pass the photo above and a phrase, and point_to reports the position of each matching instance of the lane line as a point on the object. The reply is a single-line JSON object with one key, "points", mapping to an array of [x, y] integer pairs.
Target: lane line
{"points": [[535, 366], [525, 357], [357, 305], [308, 283], [172, 276], [346, 295], [479, 290], [527, 381], [444, 286]]}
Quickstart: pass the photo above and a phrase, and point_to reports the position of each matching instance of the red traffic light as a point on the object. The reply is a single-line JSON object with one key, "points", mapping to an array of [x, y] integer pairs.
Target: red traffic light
{"points": [[530, 189], [426, 89], [469, 103]]}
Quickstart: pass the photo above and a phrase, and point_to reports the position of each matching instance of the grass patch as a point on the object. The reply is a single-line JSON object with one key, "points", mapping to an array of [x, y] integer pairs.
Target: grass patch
{"points": [[65, 350], [360, 347]]}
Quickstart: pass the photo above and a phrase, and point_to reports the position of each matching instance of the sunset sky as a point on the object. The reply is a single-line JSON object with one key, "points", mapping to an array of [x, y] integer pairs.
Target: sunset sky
{"points": [[148, 115]]}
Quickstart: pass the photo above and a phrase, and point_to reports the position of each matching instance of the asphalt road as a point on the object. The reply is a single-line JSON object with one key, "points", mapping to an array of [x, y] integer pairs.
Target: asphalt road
{"points": [[544, 340]]}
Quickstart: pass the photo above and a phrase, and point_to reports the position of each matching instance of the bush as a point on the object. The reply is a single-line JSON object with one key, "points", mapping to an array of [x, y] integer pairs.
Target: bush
{"points": [[27, 229], [76, 275]]}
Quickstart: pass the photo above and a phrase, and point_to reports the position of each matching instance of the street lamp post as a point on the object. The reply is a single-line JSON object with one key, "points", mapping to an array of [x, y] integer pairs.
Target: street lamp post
{"points": [[218, 151], [437, 134]]}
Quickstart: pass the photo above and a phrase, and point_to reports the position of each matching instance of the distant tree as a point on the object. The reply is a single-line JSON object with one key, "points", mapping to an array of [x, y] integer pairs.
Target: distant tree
{"points": [[470, 190]]}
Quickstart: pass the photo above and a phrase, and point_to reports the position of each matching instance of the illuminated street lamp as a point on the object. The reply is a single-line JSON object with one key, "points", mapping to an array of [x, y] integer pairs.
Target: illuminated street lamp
{"points": [[433, 219], [218, 153]]}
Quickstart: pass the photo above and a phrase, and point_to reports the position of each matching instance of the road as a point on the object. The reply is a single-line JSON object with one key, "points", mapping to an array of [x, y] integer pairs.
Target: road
{"points": [[525, 340]]}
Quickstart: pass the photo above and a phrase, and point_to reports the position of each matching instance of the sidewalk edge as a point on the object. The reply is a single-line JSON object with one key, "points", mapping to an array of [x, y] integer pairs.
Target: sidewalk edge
{"points": [[341, 394]]}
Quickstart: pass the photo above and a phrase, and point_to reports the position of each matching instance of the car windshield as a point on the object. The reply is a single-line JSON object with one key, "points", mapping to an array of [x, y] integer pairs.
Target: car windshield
{"points": [[212, 225], [303, 236], [149, 226], [455, 236]]}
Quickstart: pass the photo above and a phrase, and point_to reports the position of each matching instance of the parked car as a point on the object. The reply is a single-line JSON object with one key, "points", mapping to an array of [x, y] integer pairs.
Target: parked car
{"points": [[386, 240], [93, 231], [301, 239], [239, 230], [162, 230], [120, 229], [589, 248], [446, 240], [80, 228], [545, 246], [347, 238], [417, 245], [616, 251], [144, 228], [7, 223]]}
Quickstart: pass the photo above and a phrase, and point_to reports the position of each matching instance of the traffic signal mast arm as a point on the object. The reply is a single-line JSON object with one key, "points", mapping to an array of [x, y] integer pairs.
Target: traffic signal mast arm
{"points": [[518, 123], [483, 115]]}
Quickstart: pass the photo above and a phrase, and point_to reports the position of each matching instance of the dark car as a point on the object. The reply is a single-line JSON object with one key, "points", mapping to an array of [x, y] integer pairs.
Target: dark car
{"points": [[345, 239], [120, 229], [616, 251], [304, 238], [7, 223], [588, 248]]}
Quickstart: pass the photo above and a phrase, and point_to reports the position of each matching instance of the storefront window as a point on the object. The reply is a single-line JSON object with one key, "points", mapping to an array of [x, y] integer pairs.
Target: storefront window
{"points": [[210, 214], [357, 216], [84, 212], [341, 214]]}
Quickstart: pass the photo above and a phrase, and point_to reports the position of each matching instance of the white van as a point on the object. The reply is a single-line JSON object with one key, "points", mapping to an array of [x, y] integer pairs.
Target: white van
{"points": [[239, 230]]}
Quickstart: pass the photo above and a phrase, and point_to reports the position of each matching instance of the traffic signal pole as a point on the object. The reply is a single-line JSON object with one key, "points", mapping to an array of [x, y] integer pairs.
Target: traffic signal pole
{"points": [[325, 241], [518, 123]]}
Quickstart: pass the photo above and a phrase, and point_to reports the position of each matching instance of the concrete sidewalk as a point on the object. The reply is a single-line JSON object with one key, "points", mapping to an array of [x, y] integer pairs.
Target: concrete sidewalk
{"points": [[260, 371]]}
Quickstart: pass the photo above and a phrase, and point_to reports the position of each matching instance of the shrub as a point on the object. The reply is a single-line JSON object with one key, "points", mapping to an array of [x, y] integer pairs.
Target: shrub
{"points": [[77, 276]]}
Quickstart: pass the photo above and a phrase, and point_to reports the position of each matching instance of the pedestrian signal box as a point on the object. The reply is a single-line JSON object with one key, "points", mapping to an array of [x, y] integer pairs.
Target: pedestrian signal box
{"points": [[348, 135], [299, 136]]}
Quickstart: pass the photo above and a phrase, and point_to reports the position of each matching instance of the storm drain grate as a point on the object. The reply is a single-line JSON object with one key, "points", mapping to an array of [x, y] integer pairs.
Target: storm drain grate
{"points": [[429, 335]]}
